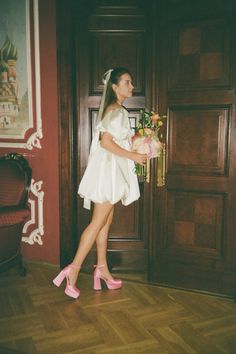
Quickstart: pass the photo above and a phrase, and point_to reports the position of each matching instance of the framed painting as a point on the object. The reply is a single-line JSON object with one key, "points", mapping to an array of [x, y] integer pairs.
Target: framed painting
{"points": [[20, 104]]}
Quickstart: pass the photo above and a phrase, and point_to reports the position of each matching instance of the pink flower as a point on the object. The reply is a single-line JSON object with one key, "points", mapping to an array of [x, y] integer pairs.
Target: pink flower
{"points": [[147, 145], [155, 149], [140, 146]]}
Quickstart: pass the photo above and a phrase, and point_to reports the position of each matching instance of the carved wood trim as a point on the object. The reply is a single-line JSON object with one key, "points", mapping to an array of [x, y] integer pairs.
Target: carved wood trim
{"points": [[67, 145]]}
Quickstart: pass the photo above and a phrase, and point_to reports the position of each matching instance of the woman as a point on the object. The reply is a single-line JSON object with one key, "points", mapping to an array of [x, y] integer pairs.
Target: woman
{"points": [[109, 178]]}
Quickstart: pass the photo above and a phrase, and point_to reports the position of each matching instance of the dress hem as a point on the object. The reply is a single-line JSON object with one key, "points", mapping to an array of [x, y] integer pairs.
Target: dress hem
{"points": [[87, 201]]}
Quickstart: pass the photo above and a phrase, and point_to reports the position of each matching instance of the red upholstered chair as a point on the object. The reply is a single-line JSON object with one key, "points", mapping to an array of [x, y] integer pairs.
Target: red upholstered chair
{"points": [[15, 180]]}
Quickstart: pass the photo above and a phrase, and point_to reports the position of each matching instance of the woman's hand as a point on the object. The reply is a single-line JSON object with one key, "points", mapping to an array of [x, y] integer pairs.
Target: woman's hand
{"points": [[139, 158]]}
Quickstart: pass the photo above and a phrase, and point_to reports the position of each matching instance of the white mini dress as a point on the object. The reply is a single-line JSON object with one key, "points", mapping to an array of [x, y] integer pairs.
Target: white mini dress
{"points": [[109, 177]]}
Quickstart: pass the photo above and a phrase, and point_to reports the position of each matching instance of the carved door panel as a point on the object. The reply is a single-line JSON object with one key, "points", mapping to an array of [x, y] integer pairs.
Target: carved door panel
{"points": [[109, 36], [182, 55], [194, 235]]}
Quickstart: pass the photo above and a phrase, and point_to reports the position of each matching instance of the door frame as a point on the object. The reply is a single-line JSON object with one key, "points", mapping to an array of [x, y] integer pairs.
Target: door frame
{"points": [[67, 123], [68, 108]]}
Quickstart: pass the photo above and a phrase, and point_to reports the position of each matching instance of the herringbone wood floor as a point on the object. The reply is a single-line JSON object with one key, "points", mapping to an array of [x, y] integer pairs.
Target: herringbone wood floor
{"points": [[36, 317]]}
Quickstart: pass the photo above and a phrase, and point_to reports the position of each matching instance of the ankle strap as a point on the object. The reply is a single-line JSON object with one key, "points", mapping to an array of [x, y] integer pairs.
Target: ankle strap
{"points": [[99, 266], [74, 266]]}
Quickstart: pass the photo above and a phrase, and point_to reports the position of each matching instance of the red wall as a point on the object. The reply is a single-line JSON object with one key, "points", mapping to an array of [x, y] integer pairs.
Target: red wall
{"points": [[44, 161]]}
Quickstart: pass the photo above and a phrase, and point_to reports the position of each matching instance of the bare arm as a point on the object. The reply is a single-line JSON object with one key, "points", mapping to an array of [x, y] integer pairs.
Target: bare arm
{"points": [[108, 143]]}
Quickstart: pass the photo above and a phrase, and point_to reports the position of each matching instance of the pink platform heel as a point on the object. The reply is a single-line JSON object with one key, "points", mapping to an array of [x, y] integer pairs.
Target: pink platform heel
{"points": [[111, 284], [70, 290]]}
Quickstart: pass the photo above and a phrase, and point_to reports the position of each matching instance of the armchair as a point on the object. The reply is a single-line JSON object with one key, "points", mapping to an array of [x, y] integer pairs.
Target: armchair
{"points": [[15, 180]]}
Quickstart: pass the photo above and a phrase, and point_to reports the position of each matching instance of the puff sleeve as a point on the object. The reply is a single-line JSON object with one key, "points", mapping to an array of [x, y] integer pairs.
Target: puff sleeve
{"points": [[116, 123]]}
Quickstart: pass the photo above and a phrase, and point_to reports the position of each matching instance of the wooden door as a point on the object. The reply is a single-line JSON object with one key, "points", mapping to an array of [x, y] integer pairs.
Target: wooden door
{"points": [[194, 235], [182, 55], [111, 34]]}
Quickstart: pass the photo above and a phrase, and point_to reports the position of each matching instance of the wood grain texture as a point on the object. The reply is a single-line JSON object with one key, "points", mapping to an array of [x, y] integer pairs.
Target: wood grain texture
{"points": [[194, 235], [38, 318], [185, 70]]}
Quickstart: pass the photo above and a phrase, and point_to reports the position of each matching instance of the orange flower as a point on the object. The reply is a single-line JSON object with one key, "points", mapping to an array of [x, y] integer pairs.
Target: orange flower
{"points": [[155, 118], [141, 131]]}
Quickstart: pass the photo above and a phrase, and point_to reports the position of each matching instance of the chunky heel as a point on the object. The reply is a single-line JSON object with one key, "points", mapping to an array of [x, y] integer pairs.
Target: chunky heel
{"points": [[111, 284], [59, 279], [70, 290], [97, 283]]}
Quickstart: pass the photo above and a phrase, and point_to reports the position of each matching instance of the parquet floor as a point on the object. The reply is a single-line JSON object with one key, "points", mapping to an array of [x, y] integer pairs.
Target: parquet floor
{"points": [[37, 318]]}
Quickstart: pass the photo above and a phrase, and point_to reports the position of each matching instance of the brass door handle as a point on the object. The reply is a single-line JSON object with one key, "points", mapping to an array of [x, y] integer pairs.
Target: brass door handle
{"points": [[148, 171], [161, 168]]}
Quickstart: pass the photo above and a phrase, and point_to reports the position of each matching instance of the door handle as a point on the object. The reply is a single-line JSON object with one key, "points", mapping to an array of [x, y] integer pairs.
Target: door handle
{"points": [[161, 168], [148, 165]]}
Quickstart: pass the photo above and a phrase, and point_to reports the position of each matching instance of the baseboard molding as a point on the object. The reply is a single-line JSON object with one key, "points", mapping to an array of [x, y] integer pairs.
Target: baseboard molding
{"points": [[120, 261]]}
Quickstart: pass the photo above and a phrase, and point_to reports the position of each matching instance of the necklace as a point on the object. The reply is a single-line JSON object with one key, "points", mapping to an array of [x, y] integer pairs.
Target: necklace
{"points": [[119, 103]]}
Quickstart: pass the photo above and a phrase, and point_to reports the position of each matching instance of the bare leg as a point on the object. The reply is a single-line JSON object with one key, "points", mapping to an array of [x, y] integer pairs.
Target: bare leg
{"points": [[88, 237], [101, 242]]}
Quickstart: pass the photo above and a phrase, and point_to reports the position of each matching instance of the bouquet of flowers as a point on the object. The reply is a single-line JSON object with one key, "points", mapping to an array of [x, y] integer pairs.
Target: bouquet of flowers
{"points": [[146, 139]]}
